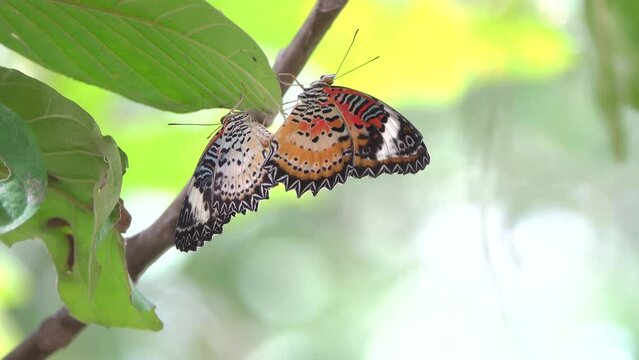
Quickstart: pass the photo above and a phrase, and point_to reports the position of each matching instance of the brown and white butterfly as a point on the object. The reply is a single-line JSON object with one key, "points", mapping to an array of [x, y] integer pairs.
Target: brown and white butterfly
{"points": [[336, 132], [228, 179]]}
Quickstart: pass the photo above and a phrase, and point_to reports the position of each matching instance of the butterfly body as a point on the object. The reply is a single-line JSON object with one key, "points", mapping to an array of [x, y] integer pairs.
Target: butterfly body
{"points": [[336, 132], [228, 179]]}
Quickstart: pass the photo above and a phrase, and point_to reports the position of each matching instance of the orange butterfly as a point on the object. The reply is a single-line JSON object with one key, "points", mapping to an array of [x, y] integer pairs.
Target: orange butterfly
{"points": [[336, 132]]}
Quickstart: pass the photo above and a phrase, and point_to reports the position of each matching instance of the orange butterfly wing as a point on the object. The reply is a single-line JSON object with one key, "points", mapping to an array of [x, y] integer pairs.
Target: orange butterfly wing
{"points": [[336, 132], [312, 150]]}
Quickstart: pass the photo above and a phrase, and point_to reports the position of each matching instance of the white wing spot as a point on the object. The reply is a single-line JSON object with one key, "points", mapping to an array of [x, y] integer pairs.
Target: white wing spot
{"points": [[389, 149], [196, 199]]}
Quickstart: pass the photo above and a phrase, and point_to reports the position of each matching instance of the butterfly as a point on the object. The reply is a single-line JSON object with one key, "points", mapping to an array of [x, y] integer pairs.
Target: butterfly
{"points": [[335, 132], [229, 178]]}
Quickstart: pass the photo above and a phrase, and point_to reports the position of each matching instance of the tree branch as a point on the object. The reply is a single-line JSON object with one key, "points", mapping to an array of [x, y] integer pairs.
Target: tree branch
{"points": [[293, 58], [142, 249]]}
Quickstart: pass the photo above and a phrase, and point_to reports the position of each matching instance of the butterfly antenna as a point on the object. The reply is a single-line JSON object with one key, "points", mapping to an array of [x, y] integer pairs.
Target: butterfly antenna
{"points": [[287, 109], [357, 67], [214, 131], [347, 51], [295, 82]]}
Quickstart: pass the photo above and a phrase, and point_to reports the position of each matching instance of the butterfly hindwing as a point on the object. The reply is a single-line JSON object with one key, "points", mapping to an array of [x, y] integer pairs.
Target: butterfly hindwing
{"points": [[312, 150], [384, 141], [229, 178], [240, 179]]}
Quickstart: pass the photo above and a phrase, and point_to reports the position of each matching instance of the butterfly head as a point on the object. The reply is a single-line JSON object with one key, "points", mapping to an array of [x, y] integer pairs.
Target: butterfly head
{"points": [[325, 80], [328, 78], [316, 89]]}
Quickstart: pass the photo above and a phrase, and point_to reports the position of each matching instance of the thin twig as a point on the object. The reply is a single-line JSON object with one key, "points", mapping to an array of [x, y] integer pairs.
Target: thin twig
{"points": [[292, 59], [58, 330]]}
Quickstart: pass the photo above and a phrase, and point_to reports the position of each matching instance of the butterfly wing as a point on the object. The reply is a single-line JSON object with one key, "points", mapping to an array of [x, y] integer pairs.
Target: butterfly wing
{"points": [[198, 221], [240, 180], [229, 178], [312, 150], [340, 133], [384, 141]]}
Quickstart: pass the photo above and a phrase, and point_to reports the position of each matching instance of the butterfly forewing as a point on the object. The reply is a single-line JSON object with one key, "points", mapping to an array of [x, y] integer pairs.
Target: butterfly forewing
{"points": [[384, 141], [229, 178]]}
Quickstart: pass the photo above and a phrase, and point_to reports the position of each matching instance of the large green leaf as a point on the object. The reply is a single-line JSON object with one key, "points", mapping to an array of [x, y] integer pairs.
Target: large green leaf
{"points": [[177, 55], [23, 182], [76, 220]]}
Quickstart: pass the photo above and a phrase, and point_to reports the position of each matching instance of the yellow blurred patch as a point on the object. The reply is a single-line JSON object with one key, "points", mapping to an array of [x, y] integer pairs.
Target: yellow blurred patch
{"points": [[15, 287], [14, 281], [431, 51], [9, 336]]}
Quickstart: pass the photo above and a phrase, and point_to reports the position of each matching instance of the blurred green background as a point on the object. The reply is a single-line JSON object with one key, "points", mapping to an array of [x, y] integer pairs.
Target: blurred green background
{"points": [[517, 242]]}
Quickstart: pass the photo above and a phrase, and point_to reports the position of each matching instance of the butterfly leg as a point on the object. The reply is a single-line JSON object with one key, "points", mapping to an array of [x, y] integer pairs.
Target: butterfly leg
{"points": [[295, 82], [240, 101]]}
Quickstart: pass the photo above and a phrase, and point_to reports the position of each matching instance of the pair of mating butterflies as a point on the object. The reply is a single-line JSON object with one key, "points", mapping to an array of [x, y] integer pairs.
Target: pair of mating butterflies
{"points": [[332, 133]]}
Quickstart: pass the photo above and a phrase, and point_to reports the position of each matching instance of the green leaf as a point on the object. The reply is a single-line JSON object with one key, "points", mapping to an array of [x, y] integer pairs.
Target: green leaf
{"points": [[76, 221], [177, 55], [625, 15], [24, 178], [614, 82]]}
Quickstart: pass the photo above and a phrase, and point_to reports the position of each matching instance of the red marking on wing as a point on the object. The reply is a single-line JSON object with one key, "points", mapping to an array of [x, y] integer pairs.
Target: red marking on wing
{"points": [[303, 126], [386, 142], [374, 122], [351, 118], [319, 126]]}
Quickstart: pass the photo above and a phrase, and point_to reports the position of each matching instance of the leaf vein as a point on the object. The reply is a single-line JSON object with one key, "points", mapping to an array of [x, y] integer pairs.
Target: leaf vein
{"points": [[196, 30], [71, 152], [160, 64], [176, 10], [177, 63], [146, 22], [131, 68], [58, 116]]}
